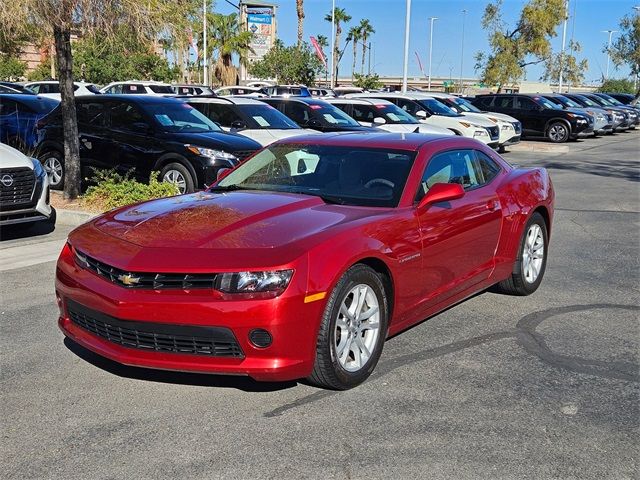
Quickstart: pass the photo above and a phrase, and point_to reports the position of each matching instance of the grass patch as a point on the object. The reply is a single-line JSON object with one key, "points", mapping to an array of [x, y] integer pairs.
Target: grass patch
{"points": [[112, 190]]}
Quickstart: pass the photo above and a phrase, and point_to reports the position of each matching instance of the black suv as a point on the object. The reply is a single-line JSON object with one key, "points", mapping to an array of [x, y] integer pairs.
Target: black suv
{"points": [[316, 114], [539, 116], [143, 134]]}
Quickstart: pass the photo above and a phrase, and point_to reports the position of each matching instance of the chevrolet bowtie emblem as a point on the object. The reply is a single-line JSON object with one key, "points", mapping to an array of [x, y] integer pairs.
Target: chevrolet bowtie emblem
{"points": [[128, 279]]}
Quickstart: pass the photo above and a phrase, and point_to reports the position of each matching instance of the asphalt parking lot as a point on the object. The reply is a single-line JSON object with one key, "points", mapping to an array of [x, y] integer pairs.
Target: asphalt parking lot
{"points": [[539, 387]]}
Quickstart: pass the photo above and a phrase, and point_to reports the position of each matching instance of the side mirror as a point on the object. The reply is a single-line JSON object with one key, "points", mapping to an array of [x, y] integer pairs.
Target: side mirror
{"points": [[379, 121], [441, 192], [237, 125], [421, 114], [223, 172]]}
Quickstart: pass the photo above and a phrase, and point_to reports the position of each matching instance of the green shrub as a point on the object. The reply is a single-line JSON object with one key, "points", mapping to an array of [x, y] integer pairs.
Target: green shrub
{"points": [[617, 85], [112, 190]]}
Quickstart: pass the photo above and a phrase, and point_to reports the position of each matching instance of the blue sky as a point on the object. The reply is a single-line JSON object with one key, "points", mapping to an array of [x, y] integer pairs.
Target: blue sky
{"points": [[388, 17]]}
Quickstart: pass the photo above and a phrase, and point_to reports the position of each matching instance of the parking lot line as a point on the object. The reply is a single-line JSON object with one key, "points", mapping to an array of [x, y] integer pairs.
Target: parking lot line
{"points": [[20, 256]]}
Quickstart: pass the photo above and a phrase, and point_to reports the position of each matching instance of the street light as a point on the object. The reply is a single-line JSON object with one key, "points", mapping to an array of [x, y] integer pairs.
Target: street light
{"points": [[205, 73], [464, 16], [333, 44], [431, 19], [405, 67], [564, 38], [610, 32]]}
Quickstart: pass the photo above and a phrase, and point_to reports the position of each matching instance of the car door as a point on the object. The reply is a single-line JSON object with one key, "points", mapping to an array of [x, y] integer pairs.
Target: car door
{"points": [[134, 146], [95, 145], [459, 238], [529, 114]]}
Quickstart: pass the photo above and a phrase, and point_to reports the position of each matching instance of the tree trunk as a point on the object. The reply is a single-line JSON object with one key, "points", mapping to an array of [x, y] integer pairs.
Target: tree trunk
{"points": [[364, 53], [355, 54], [300, 10], [72, 177], [336, 52]]}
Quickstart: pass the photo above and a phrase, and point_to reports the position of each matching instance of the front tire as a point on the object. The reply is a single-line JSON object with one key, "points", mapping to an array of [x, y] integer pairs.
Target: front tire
{"points": [[558, 132], [352, 330], [531, 262], [179, 175], [53, 164]]}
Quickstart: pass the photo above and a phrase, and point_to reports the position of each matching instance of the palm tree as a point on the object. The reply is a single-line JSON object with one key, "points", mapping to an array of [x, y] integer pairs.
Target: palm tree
{"points": [[227, 38], [354, 36], [365, 31], [300, 10], [341, 16]]}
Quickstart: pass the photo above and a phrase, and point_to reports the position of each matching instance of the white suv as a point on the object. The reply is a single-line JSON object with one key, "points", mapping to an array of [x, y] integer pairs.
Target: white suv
{"points": [[510, 128], [135, 87], [51, 88], [375, 112], [24, 189], [248, 117], [432, 112]]}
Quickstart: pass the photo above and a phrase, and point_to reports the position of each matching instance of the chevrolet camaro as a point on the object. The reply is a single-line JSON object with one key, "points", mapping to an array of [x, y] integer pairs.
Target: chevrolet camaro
{"points": [[302, 260]]}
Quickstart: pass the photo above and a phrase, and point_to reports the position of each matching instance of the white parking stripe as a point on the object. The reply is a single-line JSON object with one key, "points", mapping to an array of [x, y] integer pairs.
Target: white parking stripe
{"points": [[32, 254]]}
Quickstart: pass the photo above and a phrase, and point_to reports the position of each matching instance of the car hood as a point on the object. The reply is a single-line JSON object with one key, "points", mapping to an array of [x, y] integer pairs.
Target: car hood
{"points": [[239, 220], [415, 127], [500, 116], [479, 119], [224, 140], [12, 158]]}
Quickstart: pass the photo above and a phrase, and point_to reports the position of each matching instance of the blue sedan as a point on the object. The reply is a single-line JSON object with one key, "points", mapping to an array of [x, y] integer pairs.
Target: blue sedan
{"points": [[18, 117]]}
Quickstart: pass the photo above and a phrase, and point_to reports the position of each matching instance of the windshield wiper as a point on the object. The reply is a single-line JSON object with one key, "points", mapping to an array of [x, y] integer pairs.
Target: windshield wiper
{"points": [[230, 188]]}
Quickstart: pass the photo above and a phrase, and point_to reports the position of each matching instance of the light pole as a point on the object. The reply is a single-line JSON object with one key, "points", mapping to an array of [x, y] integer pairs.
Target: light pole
{"points": [[205, 73], [610, 32], [564, 38], [333, 44], [431, 19], [405, 67], [464, 16]]}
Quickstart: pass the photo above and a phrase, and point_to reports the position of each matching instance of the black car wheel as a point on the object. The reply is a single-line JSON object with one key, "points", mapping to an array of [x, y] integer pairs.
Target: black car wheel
{"points": [[179, 175], [558, 132]]}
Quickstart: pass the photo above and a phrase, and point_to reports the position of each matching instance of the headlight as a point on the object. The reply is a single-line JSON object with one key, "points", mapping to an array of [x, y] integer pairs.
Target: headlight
{"points": [[38, 169], [252, 282], [481, 133], [507, 126], [211, 153]]}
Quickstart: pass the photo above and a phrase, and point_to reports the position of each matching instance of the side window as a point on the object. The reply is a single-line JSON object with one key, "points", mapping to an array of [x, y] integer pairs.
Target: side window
{"points": [[223, 114], [125, 116], [91, 113], [455, 166], [116, 89], [297, 112], [344, 107], [134, 89], [408, 106], [8, 107], [504, 102], [485, 168], [35, 88], [363, 113], [487, 101], [524, 103]]}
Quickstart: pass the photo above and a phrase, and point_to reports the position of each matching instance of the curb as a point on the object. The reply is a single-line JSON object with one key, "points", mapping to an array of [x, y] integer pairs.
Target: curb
{"points": [[73, 217]]}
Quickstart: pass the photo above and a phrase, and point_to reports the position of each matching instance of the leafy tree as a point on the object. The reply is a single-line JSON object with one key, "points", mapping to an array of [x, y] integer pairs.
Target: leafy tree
{"points": [[572, 70], [619, 85], [227, 38], [41, 72], [341, 16], [366, 30], [368, 82], [354, 36], [292, 65], [11, 68], [300, 12], [626, 48], [526, 44]]}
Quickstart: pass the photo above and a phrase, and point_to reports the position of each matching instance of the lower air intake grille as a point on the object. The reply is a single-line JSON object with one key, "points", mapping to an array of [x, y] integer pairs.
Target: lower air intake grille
{"points": [[157, 337]]}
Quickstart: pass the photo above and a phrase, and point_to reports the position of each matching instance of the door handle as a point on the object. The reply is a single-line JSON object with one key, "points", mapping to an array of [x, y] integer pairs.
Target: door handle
{"points": [[493, 205]]}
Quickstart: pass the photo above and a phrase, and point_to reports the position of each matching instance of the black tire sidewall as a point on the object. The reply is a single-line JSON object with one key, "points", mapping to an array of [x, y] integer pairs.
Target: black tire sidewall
{"points": [[190, 185], [359, 274], [527, 286], [566, 136]]}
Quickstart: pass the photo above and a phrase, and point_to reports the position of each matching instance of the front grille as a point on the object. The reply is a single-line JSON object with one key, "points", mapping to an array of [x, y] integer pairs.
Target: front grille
{"points": [[517, 126], [494, 132], [158, 337], [155, 281], [20, 189], [242, 154]]}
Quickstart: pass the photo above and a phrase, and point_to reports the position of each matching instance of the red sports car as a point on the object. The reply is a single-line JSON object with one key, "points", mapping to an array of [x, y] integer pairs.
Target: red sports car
{"points": [[302, 260]]}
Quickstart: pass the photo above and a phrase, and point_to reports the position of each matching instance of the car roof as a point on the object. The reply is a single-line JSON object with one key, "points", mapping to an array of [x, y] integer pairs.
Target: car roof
{"points": [[437, 94], [306, 100], [359, 101], [387, 140], [139, 82], [53, 82], [21, 97], [140, 99], [233, 100]]}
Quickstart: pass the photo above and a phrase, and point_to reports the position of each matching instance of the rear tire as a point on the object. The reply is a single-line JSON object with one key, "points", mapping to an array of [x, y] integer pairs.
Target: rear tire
{"points": [[352, 331], [558, 132], [53, 164], [531, 262], [178, 174]]}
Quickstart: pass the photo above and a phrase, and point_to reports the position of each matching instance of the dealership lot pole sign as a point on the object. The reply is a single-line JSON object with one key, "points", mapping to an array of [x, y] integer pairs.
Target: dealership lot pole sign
{"points": [[260, 19]]}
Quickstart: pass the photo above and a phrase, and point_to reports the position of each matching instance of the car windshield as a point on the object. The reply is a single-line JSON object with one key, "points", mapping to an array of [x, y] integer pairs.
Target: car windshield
{"points": [[92, 88], [329, 115], [598, 102], [161, 89], [460, 105], [180, 117], [434, 107], [358, 176], [546, 103], [265, 116], [567, 102], [587, 101], [394, 114], [611, 101]]}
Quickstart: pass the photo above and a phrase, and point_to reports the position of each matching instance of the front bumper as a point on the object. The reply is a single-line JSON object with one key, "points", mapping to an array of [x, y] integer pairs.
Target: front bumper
{"points": [[292, 323], [37, 209]]}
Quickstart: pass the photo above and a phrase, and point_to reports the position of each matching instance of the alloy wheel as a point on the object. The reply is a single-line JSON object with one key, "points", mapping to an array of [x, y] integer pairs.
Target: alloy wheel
{"points": [[558, 132], [53, 167], [533, 253], [175, 177], [357, 327]]}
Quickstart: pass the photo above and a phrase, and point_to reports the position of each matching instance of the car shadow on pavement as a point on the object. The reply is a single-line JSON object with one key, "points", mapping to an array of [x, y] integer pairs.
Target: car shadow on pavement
{"points": [[243, 383], [18, 231]]}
